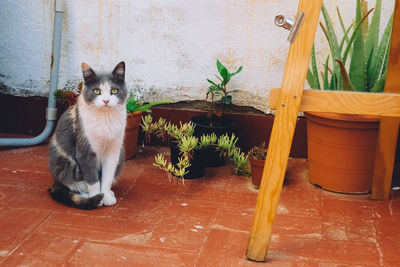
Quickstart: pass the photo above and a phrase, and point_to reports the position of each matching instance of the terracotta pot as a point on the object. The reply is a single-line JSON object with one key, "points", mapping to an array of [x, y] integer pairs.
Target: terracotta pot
{"points": [[257, 168], [341, 151], [131, 133]]}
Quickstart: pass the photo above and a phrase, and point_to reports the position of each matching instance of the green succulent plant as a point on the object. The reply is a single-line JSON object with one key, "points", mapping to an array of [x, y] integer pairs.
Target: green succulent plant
{"points": [[360, 44], [187, 143]]}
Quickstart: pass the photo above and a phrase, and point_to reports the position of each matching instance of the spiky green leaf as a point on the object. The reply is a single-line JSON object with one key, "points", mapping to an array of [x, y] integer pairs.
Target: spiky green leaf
{"points": [[347, 85], [357, 71]]}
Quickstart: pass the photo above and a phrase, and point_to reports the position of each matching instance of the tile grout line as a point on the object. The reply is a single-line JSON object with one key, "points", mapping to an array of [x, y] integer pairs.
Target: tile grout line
{"points": [[29, 235], [206, 238]]}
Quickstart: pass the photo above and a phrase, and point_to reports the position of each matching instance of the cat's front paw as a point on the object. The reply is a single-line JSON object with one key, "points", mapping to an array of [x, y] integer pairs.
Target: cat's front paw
{"points": [[109, 198]]}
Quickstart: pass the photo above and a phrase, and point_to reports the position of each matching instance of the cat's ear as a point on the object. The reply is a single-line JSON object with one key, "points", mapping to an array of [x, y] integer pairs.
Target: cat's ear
{"points": [[119, 71], [88, 74]]}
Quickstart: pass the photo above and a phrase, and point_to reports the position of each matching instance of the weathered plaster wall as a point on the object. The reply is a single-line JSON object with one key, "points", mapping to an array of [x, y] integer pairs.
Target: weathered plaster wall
{"points": [[170, 47]]}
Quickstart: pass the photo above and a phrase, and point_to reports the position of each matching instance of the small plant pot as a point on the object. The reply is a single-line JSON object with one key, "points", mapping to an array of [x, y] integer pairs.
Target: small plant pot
{"points": [[196, 169], [131, 133], [219, 126], [257, 168]]}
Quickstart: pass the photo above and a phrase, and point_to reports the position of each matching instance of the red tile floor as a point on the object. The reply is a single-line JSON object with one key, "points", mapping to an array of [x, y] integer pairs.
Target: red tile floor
{"points": [[205, 222]]}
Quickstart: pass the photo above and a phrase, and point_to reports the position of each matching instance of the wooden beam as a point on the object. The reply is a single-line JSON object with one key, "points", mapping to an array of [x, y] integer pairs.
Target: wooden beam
{"points": [[378, 104], [389, 127], [282, 131]]}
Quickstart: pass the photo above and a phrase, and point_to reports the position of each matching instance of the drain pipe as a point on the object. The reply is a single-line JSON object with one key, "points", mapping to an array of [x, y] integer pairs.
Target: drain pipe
{"points": [[51, 111]]}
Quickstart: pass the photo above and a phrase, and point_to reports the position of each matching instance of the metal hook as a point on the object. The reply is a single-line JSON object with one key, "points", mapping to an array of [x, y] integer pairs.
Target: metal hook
{"points": [[290, 24]]}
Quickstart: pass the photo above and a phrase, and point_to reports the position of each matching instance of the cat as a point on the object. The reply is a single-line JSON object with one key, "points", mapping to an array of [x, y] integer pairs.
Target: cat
{"points": [[86, 151]]}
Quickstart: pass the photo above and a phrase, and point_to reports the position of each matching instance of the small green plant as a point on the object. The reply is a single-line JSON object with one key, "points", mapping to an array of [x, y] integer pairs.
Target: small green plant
{"points": [[218, 89], [179, 171], [360, 42], [166, 131], [133, 105], [258, 152], [208, 140], [187, 144], [240, 162]]}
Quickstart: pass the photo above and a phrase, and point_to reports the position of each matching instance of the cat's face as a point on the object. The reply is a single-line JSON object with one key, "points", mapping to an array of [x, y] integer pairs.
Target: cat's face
{"points": [[104, 90]]}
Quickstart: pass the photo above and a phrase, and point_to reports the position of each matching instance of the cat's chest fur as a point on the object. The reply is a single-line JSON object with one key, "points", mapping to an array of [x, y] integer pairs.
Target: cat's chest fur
{"points": [[103, 127]]}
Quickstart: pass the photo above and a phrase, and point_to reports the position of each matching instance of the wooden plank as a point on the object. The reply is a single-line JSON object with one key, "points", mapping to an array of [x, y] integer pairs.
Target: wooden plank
{"points": [[389, 127], [378, 104], [282, 131]]}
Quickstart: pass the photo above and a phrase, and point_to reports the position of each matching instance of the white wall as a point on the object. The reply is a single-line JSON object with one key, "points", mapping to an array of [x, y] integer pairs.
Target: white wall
{"points": [[170, 47]]}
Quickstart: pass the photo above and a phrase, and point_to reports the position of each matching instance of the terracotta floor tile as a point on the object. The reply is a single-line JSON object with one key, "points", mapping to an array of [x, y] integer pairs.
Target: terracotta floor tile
{"points": [[388, 236], [301, 200], [297, 226], [330, 251], [113, 230], [225, 248], [43, 250], [8, 193], [16, 225], [234, 220], [96, 254], [22, 177], [183, 227], [205, 222]]}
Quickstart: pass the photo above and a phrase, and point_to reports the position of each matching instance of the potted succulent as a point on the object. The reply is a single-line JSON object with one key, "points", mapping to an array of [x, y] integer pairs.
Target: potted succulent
{"points": [[188, 151], [134, 110], [341, 148], [257, 155], [215, 121]]}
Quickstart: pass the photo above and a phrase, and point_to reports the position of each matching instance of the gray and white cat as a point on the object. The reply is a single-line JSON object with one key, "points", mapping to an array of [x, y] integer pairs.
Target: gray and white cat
{"points": [[86, 150]]}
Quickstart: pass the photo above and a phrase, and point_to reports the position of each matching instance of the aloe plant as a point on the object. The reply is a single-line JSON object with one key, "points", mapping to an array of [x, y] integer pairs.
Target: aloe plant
{"points": [[360, 43]]}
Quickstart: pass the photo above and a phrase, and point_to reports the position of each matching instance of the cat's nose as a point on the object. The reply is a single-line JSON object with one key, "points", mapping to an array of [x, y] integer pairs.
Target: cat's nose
{"points": [[106, 101]]}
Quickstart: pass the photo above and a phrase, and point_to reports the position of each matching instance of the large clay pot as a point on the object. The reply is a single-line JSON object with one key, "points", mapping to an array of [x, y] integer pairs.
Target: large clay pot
{"points": [[131, 133], [257, 168], [341, 151], [219, 126]]}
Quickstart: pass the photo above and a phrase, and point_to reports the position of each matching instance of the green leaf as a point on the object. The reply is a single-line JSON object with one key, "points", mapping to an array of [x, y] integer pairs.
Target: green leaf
{"points": [[357, 71], [325, 77], [333, 43], [353, 36], [378, 62], [343, 27], [213, 83], [371, 43], [236, 72], [315, 70], [310, 79], [380, 84], [347, 85], [220, 66], [345, 37], [225, 75]]}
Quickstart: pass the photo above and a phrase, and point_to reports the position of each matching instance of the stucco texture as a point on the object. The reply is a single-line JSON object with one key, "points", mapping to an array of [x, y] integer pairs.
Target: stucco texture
{"points": [[170, 47]]}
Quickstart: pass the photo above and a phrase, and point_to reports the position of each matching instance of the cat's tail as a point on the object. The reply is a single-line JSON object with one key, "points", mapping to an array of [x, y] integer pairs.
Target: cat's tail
{"points": [[64, 195]]}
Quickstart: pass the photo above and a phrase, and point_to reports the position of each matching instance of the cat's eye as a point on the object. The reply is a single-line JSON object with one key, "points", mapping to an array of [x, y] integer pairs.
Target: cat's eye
{"points": [[96, 91], [114, 91]]}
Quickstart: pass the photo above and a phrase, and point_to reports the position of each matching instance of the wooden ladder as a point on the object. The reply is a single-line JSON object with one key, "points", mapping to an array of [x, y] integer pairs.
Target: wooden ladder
{"points": [[291, 98]]}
